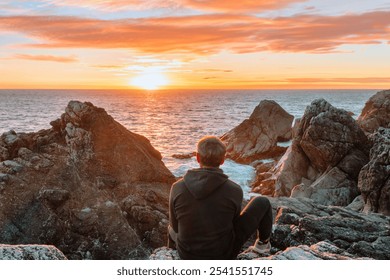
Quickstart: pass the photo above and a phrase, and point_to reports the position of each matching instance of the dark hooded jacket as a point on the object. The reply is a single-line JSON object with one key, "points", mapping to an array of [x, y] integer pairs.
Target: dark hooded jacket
{"points": [[203, 207]]}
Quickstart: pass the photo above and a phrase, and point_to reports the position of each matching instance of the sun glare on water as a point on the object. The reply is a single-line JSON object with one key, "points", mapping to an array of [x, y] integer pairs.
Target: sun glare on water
{"points": [[149, 80]]}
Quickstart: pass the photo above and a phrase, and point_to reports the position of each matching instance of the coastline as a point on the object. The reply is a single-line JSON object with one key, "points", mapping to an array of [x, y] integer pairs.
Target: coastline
{"points": [[84, 152]]}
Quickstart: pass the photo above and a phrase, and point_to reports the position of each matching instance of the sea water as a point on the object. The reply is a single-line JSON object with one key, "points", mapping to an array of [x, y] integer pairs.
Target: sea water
{"points": [[173, 120]]}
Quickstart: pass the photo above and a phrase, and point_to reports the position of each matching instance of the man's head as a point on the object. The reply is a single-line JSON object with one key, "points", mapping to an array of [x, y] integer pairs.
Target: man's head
{"points": [[210, 152]]}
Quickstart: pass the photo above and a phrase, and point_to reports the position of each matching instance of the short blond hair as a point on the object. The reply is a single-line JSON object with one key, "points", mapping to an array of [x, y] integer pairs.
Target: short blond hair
{"points": [[211, 151]]}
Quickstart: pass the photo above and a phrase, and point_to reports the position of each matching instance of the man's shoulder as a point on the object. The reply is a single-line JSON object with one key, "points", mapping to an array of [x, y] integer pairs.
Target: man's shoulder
{"points": [[178, 183], [233, 186], [178, 186]]}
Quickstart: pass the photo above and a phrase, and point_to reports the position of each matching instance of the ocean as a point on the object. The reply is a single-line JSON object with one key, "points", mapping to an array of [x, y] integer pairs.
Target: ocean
{"points": [[173, 120]]}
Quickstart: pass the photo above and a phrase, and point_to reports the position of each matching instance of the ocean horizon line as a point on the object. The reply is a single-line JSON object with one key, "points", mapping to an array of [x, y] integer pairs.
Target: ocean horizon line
{"points": [[195, 89]]}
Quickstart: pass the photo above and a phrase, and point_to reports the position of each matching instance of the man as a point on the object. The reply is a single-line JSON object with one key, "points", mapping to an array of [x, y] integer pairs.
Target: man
{"points": [[205, 217]]}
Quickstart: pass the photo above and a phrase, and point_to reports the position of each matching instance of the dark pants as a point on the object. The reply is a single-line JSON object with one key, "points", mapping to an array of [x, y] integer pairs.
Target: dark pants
{"points": [[255, 217]]}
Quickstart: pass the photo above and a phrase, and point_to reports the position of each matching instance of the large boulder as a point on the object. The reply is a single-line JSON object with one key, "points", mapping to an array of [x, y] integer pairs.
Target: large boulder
{"points": [[257, 137], [325, 157], [376, 112], [327, 135], [374, 178], [88, 185], [30, 252]]}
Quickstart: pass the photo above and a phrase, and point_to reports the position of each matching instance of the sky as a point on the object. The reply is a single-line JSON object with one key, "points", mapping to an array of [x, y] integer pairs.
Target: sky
{"points": [[195, 44]]}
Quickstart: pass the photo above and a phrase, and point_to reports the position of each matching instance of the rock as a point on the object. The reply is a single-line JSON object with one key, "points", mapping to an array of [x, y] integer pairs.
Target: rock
{"points": [[30, 252], [3, 177], [291, 168], [332, 188], [55, 197], [67, 186], [342, 135], [13, 166], [10, 142], [164, 253], [3, 153], [319, 251], [263, 166], [325, 157], [374, 178], [184, 156], [376, 112], [295, 128], [357, 204], [301, 221], [379, 249], [264, 181], [257, 137]]}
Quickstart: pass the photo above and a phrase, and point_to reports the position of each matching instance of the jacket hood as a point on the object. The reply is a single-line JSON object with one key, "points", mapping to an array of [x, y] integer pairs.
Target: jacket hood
{"points": [[201, 182]]}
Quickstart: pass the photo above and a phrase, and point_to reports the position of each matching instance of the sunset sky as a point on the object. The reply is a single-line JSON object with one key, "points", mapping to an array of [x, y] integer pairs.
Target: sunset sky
{"points": [[155, 44]]}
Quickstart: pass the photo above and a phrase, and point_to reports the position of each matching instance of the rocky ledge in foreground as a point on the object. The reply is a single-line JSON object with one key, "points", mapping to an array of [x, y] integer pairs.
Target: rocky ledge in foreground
{"points": [[30, 252], [306, 230], [88, 185]]}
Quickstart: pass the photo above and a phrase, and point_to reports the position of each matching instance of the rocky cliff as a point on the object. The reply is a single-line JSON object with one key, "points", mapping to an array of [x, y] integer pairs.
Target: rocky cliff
{"points": [[88, 186]]}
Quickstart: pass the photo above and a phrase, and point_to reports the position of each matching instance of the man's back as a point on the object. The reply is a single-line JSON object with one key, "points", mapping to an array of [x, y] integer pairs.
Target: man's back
{"points": [[203, 207]]}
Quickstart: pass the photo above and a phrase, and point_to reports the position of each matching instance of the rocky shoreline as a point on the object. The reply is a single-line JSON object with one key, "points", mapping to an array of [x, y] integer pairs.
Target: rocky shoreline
{"points": [[95, 190]]}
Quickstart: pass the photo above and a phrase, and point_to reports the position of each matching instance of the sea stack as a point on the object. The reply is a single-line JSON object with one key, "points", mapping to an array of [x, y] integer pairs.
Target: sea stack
{"points": [[257, 137]]}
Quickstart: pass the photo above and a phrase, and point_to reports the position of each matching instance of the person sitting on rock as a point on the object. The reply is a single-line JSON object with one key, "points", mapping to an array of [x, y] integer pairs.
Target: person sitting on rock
{"points": [[205, 217]]}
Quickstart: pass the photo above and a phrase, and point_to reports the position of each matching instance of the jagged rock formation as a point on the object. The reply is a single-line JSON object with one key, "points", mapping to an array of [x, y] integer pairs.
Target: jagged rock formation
{"points": [[87, 185], [376, 112], [325, 157], [374, 178], [303, 222], [30, 252], [257, 137]]}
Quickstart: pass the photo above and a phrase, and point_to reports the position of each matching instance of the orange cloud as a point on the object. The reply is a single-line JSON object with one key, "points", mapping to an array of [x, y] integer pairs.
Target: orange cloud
{"points": [[239, 6], [206, 34], [63, 59], [204, 5], [114, 5]]}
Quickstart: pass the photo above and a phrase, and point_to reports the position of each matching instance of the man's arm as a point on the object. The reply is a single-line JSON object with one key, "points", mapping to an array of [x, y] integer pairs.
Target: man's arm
{"points": [[238, 203], [173, 225]]}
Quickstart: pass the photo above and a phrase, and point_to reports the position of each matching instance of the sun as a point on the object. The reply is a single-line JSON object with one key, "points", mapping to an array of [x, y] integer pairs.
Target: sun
{"points": [[149, 80]]}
